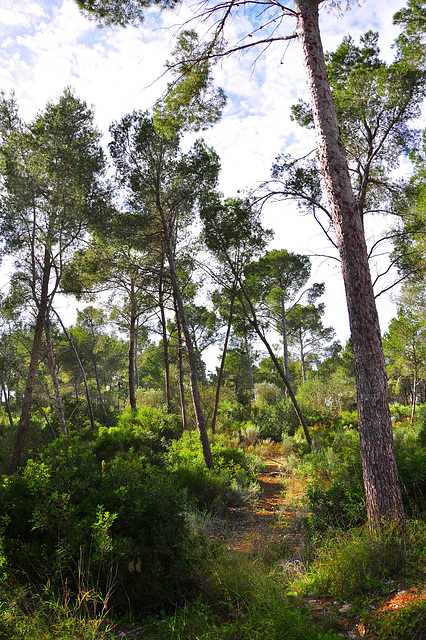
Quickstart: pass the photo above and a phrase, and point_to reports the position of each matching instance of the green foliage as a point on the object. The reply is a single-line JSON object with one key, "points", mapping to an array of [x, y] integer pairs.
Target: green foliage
{"points": [[338, 506], [145, 429], [118, 524], [408, 622], [357, 563], [233, 480], [243, 600], [192, 102]]}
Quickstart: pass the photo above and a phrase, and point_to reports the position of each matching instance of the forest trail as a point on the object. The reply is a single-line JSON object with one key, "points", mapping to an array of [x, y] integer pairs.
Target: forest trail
{"points": [[252, 530]]}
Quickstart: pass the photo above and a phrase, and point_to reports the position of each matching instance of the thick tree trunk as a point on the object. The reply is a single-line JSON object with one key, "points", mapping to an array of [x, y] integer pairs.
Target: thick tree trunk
{"points": [[196, 399], [82, 371], [379, 466], [54, 376], [24, 420], [222, 364]]}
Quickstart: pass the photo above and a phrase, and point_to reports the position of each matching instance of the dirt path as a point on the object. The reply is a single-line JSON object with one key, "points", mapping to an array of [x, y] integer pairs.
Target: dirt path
{"points": [[250, 528]]}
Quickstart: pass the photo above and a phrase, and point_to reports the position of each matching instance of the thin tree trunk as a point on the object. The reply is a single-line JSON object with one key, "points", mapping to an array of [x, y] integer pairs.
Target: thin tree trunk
{"points": [[165, 339], [136, 355], [54, 376], [180, 368], [302, 359], [414, 398], [383, 495], [131, 367], [82, 371], [98, 382], [284, 337], [6, 401], [251, 316], [196, 399], [222, 363], [250, 368]]}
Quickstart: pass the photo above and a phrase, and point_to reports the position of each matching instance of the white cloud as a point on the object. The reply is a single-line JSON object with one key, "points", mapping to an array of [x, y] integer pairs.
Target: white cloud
{"points": [[48, 45]]}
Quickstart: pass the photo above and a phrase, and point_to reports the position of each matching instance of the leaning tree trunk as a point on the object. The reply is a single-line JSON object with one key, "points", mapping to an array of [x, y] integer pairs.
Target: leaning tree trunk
{"points": [[222, 363], [54, 376], [82, 371], [251, 316], [382, 489], [195, 392], [180, 368], [24, 420], [284, 338], [414, 397]]}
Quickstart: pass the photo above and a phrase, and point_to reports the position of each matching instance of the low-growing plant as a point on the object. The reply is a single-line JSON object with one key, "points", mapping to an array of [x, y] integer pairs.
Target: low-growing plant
{"points": [[357, 563], [113, 528]]}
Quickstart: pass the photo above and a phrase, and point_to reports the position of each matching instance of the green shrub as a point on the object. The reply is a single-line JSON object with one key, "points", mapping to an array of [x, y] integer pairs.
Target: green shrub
{"points": [[115, 528], [339, 506], [232, 481], [356, 563], [146, 429]]}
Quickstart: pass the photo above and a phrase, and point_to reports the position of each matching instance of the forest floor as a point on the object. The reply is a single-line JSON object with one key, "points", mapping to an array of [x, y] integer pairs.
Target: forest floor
{"points": [[274, 524]]}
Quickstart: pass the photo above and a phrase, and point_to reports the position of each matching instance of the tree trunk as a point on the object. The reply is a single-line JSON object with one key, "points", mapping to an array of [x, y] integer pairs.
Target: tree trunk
{"points": [[180, 368], [284, 337], [382, 490], [250, 368], [196, 399], [82, 371], [131, 368], [302, 358], [54, 376], [132, 339], [165, 339], [24, 420], [98, 382], [136, 355], [414, 398], [222, 363], [251, 316], [6, 400]]}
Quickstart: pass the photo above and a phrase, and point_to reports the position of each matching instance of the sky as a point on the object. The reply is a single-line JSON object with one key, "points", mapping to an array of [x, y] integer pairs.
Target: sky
{"points": [[47, 45]]}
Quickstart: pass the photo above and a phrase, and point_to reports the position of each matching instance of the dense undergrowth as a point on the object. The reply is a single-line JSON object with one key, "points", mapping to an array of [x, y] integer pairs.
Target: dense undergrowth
{"points": [[124, 526]]}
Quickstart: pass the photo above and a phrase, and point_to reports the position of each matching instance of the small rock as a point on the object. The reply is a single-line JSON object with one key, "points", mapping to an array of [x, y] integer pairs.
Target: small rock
{"points": [[345, 608]]}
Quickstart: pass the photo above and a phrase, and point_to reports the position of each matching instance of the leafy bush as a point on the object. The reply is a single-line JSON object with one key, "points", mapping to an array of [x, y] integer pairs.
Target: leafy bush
{"points": [[356, 563], [232, 481], [146, 429], [115, 528]]}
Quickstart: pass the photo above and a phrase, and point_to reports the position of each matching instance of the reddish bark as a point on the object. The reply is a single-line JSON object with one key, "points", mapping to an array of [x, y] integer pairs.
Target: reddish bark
{"points": [[379, 466]]}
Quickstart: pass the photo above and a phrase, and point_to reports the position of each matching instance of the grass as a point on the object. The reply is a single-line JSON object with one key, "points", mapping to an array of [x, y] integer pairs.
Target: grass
{"points": [[24, 616]]}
